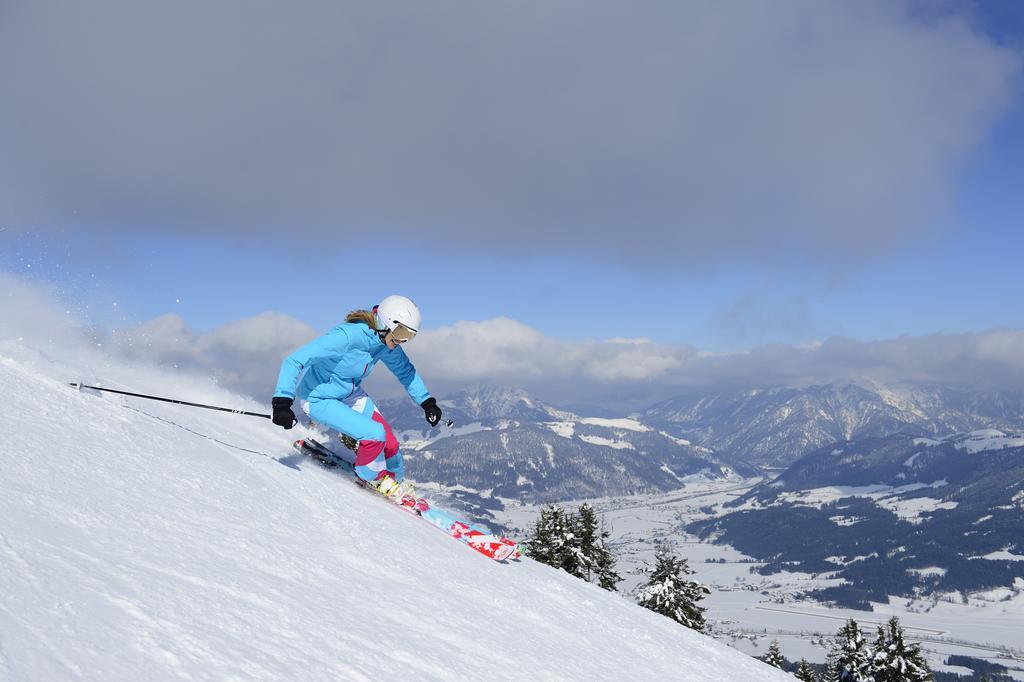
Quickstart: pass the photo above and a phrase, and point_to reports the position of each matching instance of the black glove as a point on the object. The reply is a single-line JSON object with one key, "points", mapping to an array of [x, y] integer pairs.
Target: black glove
{"points": [[283, 415], [431, 411]]}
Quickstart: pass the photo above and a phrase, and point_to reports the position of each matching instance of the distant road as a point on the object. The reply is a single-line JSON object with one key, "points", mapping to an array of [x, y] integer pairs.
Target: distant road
{"points": [[916, 633], [646, 502], [906, 628]]}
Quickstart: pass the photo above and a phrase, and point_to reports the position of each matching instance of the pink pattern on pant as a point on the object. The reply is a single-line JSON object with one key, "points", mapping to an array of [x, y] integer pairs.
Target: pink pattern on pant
{"points": [[372, 455]]}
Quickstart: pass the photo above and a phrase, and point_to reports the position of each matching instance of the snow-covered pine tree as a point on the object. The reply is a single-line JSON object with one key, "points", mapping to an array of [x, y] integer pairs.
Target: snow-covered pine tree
{"points": [[851, 654], [565, 543], [917, 669], [586, 532], [554, 541], [774, 656], [607, 577], [538, 546], [669, 593], [832, 669], [575, 543], [597, 560], [897, 661], [804, 672], [878, 657]]}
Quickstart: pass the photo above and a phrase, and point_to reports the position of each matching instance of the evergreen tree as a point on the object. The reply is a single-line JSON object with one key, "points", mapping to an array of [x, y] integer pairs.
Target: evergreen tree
{"points": [[575, 543], [916, 668], [851, 655], [538, 546], [669, 593], [596, 559], [897, 661], [804, 672], [607, 577], [566, 544], [554, 542], [587, 534], [587, 537], [774, 656], [879, 673], [832, 670]]}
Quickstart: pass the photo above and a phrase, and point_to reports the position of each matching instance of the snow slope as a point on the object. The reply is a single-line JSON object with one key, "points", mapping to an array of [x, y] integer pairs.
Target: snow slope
{"points": [[140, 540]]}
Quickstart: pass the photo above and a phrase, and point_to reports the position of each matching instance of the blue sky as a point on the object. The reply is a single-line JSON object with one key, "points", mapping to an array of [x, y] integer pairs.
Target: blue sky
{"points": [[726, 178], [962, 281]]}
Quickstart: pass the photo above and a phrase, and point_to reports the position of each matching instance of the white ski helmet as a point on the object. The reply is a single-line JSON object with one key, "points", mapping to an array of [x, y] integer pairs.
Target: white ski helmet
{"points": [[400, 316]]}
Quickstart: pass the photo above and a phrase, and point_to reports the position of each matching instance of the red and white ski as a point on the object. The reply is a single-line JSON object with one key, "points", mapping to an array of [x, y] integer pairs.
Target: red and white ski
{"points": [[478, 537]]}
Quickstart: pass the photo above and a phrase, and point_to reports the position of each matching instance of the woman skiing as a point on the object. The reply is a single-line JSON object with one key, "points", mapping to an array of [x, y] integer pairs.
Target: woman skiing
{"points": [[326, 376]]}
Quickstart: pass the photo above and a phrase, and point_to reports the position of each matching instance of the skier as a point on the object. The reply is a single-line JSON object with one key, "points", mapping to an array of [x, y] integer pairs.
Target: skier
{"points": [[326, 375]]}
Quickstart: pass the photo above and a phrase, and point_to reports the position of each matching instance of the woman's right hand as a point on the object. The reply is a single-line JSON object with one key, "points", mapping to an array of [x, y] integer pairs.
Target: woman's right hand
{"points": [[283, 415]]}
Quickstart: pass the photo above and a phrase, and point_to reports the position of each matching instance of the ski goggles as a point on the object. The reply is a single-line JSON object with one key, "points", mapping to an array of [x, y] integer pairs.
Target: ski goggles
{"points": [[401, 333]]}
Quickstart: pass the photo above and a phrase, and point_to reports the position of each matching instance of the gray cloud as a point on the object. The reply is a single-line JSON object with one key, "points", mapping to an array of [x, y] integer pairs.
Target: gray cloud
{"points": [[706, 129], [758, 313]]}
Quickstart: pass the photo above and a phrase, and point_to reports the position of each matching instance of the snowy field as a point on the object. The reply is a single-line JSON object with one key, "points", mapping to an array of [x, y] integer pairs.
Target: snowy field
{"points": [[140, 540], [748, 610]]}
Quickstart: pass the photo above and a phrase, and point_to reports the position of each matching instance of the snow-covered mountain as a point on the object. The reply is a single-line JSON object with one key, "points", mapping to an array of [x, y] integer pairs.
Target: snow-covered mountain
{"points": [[508, 445], [960, 460], [902, 515], [141, 540], [775, 427]]}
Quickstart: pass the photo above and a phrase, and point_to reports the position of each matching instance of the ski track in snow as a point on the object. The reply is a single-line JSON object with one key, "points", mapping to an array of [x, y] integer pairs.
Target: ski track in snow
{"points": [[132, 546]]}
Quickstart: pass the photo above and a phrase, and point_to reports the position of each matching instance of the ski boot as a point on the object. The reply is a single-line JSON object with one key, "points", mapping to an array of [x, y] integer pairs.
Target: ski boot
{"points": [[403, 493]]}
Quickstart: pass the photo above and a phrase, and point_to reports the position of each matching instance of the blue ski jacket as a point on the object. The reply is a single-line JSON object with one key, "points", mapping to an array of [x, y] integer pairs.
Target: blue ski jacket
{"points": [[334, 365]]}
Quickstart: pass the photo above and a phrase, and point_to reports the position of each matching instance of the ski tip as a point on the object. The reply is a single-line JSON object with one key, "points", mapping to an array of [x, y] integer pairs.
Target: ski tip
{"points": [[504, 555]]}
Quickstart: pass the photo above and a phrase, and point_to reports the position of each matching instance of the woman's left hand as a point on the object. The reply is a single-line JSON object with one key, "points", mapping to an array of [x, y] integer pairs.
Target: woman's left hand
{"points": [[431, 411]]}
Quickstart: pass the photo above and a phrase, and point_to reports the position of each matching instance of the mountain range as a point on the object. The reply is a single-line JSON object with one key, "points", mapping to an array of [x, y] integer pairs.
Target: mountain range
{"points": [[900, 514], [774, 427], [507, 444]]}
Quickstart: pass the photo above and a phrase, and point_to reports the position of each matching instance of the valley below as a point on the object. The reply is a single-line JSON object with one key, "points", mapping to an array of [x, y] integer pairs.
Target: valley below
{"points": [[747, 609]]}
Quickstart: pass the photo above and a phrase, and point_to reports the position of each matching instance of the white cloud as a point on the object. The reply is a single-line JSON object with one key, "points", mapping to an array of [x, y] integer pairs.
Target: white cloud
{"points": [[246, 355], [505, 351], [637, 371], [30, 314], [648, 132]]}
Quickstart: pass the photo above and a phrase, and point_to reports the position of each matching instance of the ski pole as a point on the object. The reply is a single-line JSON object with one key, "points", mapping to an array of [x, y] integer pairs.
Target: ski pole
{"points": [[78, 385]]}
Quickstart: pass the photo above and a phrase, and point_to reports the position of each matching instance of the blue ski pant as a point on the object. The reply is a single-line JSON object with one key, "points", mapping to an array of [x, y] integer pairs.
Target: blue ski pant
{"points": [[378, 452]]}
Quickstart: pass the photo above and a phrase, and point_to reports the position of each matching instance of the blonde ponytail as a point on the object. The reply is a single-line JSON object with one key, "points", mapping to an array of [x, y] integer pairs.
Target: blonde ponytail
{"points": [[362, 316]]}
